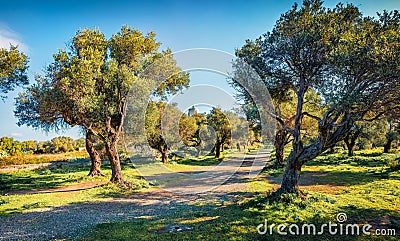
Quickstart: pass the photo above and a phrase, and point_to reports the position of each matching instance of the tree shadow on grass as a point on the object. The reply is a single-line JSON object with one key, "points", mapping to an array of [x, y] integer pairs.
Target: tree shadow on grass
{"points": [[374, 159], [42, 178]]}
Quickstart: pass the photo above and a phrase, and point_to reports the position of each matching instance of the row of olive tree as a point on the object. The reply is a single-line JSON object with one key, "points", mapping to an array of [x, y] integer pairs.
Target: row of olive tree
{"points": [[204, 132], [349, 60]]}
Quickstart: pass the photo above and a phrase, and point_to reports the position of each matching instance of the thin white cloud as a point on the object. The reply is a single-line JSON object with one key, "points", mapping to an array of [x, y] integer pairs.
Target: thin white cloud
{"points": [[16, 134], [9, 36]]}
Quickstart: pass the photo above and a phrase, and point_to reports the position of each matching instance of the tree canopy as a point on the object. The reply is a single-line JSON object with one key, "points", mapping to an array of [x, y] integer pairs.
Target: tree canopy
{"points": [[88, 84], [351, 61], [222, 128], [13, 69]]}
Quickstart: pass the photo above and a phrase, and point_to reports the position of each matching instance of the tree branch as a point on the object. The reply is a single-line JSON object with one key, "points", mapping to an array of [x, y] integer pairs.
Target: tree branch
{"points": [[312, 116]]}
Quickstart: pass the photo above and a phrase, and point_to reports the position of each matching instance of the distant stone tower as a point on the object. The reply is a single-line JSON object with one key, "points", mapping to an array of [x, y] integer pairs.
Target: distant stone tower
{"points": [[192, 111]]}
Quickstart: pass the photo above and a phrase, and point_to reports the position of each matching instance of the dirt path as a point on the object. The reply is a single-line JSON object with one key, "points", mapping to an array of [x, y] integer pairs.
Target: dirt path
{"points": [[67, 221]]}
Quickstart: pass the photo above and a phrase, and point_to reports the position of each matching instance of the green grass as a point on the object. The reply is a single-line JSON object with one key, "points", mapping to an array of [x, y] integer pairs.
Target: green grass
{"points": [[232, 221], [55, 176], [26, 202], [42, 179], [363, 187], [208, 160]]}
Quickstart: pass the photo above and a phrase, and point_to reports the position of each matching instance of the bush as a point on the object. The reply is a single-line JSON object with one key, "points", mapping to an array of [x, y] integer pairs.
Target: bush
{"points": [[3, 154]]}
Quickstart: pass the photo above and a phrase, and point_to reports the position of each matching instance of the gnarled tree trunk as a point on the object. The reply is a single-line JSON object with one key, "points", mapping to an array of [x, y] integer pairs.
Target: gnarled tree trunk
{"points": [[300, 154], [112, 153], [281, 137], [350, 140], [95, 169], [290, 180]]}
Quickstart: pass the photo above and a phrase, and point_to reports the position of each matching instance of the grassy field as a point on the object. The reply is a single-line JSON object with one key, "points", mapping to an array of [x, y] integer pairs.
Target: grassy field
{"points": [[15, 184], [42, 158], [364, 187]]}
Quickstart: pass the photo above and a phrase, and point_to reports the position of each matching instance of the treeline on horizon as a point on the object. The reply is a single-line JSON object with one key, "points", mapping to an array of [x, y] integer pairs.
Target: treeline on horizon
{"points": [[60, 144]]}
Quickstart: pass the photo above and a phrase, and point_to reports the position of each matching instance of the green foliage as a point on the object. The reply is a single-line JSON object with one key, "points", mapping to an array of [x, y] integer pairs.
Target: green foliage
{"points": [[29, 147], [239, 128], [3, 154], [80, 143], [160, 121], [218, 120], [13, 68], [62, 144], [196, 133], [10, 146], [88, 85], [349, 61]]}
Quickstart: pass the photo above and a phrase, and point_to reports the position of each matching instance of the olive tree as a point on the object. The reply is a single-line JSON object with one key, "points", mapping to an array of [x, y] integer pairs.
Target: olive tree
{"points": [[94, 78], [43, 106], [161, 116], [350, 60], [222, 128]]}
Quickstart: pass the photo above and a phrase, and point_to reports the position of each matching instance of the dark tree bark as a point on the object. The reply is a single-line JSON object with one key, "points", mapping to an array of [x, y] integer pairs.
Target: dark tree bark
{"points": [[238, 147], [164, 154], [212, 149], [301, 154], [217, 148], [351, 138], [290, 181], [95, 158], [112, 153], [350, 145], [281, 138], [387, 146]]}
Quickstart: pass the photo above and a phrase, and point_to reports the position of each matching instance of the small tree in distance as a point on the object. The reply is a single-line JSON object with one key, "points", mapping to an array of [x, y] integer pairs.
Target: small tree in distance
{"points": [[217, 120]]}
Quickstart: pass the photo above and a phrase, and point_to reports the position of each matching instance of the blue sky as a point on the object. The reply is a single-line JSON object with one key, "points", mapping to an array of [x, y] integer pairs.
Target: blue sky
{"points": [[43, 27]]}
